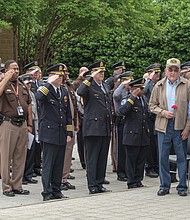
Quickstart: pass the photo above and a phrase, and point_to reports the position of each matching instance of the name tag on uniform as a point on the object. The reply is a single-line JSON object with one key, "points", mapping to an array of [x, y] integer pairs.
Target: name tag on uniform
{"points": [[96, 95]]}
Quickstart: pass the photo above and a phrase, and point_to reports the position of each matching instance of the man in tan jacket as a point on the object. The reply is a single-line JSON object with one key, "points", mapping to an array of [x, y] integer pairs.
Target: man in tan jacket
{"points": [[169, 101]]}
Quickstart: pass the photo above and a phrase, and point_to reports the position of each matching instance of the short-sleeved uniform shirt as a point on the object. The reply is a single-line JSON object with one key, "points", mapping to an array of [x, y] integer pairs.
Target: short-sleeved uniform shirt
{"points": [[9, 103]]}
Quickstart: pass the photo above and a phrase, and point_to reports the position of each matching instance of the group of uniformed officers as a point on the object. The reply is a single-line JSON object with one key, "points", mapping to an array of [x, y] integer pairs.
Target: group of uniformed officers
{"points": [[101, 113]]}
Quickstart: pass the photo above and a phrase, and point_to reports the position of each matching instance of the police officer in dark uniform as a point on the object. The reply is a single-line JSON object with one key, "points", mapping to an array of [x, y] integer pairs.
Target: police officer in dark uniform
{"points": [[136, 134], [55, 130], [120, 94], [185, 70], [112, 81], [96, 125], [118, 69], [152, 167]]}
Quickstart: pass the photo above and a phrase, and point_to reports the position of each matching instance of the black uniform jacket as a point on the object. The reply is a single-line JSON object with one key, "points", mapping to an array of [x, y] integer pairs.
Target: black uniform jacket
{"points": [[136, 132], [97, 108], [55, 115]]}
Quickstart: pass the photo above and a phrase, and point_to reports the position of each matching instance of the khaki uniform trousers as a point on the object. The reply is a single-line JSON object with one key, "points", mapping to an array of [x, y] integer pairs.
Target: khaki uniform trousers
{"points": [[68, 159], [13, 147]]}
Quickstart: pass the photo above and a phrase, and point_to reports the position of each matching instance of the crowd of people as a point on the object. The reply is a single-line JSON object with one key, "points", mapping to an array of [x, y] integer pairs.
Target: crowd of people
{"points": [[143, 121]]}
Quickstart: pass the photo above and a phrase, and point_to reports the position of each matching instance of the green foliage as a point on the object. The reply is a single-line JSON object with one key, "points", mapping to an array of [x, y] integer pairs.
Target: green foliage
{"points": [[43, 27], [79, 32]]}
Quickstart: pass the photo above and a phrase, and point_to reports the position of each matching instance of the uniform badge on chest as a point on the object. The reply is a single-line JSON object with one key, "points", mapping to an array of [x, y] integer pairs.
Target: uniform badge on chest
{"points": [[65, 98]]}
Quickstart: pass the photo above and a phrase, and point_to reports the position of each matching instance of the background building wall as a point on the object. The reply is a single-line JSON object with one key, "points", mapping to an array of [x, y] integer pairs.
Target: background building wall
{"points": [[6, 45]]}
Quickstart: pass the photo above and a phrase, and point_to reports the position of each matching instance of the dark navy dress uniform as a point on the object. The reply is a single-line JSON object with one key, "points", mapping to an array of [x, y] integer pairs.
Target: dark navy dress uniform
{"points": [[55, 126], [135, 138], [96, 130]]}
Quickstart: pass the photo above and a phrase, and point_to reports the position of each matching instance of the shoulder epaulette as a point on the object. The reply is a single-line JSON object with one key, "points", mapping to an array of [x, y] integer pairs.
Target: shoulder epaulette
{"points": [[86, 82], [44, 90], [130, 101]]}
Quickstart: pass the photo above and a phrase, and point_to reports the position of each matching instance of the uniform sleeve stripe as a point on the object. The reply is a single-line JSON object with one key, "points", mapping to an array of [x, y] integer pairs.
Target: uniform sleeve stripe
{"points": [[87, 83], [130, 101], [69, 128]]}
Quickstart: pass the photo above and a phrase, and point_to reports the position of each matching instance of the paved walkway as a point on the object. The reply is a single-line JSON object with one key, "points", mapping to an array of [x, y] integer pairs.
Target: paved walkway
{"points": [[121, 203]]}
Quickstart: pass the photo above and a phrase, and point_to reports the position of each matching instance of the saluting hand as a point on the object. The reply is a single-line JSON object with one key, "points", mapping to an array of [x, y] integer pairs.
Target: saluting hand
{"points": [[52, 78], [9, 74], [135, 92], [95, 73]]}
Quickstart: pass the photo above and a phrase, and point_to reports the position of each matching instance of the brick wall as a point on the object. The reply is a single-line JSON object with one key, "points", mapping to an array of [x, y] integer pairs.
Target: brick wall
{"points": [[6, 45]]}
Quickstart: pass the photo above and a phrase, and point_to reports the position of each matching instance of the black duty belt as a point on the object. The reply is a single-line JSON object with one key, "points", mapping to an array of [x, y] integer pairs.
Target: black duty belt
{"points": [[18, 121]]}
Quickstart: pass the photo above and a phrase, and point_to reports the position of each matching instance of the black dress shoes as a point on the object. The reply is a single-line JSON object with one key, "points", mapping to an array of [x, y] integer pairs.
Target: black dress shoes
{"points": [[34, 175], [133, 186], [63, 187], [72, 170], [68, 185], [24, 182], [38, 172], [48, 197], [59, 195], [21, 191], [182, 192], [103, 190], [151, 174], [93, 191], [9, 193], [139, 184], [32, 181], [106, 182], [122, 178], [174, 180], [71, 177], [163, 192]]}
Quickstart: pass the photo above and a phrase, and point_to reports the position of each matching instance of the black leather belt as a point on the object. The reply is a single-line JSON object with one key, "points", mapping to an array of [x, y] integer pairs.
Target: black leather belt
{"points": [[18, 121]]}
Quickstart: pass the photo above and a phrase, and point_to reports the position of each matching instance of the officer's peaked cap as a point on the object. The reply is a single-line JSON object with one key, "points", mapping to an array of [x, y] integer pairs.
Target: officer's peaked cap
{"points": [[185, 65], [31, 66], [137, 83], [126, 75], [57, 69], [119, 65], [99, 65]]}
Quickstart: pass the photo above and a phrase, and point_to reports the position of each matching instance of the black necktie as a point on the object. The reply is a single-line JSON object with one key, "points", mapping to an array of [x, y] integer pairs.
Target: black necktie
{"points": [[37, 85], [58, 93]]}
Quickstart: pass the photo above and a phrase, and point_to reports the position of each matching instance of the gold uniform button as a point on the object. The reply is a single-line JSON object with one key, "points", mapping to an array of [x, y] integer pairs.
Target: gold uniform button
{"points": [[49, 126]]}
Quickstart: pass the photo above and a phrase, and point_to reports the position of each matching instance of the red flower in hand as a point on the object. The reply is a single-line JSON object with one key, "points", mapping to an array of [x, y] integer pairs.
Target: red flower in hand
{"points": [[174, 107]]}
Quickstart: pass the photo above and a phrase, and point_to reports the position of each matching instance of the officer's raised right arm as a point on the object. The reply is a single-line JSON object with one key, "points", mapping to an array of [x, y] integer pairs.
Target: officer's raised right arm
{"points": [[42, 93], [128, 105], [84, 86]]}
